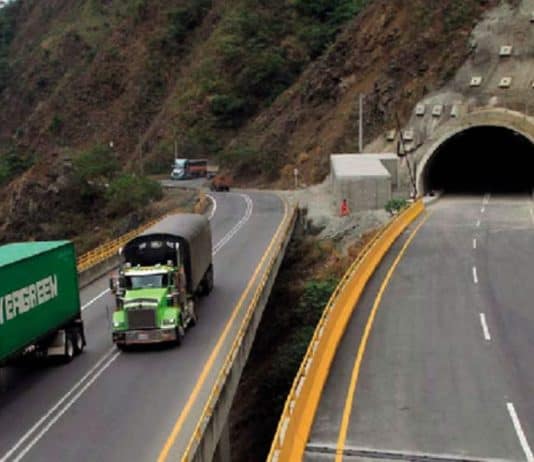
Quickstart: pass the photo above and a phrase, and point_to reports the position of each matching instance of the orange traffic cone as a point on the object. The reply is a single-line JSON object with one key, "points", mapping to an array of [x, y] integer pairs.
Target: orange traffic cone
{"points": [[344, 209]]}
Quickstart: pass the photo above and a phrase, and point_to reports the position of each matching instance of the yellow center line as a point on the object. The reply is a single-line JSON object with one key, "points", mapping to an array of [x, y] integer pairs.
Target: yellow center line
{"points": [[215, 352], [351, 392]]}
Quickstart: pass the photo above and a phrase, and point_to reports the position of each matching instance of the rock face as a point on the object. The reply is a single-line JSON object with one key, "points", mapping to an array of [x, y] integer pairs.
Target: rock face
{"points": [[36, 202], [91, 73]]}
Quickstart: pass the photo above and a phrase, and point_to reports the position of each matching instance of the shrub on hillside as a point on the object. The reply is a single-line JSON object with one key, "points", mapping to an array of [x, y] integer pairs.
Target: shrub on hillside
{"points": [[7, 32], [127, 193], [182, 21], [96, 164], [394, 206], [13, 163]]}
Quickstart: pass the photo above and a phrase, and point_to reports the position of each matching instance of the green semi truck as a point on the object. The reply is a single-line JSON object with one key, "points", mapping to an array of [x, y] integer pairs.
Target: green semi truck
{"points": [[163, 272], [39, 301]]}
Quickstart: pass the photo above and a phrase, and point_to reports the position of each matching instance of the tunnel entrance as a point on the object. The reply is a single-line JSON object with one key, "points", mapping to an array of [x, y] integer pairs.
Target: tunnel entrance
{"points": [[480, 160]]}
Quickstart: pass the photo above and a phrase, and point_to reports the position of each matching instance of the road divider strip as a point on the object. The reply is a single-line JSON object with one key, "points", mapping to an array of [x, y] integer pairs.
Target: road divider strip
{"points": [[520, 433], [485, 328], [176, 430], [303, 400], [95, 369], [61, 406], [238, 225], [351, 392]]}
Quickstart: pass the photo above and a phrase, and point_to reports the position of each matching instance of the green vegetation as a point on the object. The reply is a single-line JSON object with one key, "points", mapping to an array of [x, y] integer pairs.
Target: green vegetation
{"points": [[14, 162], [97, 164], [7, 32], [127, 193], [394, 206], [181, 21], [255, 53], [322, 19], [55, 125], [100, 181]]}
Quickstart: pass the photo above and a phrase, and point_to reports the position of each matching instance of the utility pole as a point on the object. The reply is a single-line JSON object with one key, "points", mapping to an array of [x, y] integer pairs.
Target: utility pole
{"points": [[360, 127], [402, 151]]}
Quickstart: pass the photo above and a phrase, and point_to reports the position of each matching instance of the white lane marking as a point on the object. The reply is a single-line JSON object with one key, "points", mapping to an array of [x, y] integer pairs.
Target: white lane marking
{"points": [[483, 209], [56, 406], [485, 329], [218, 246], [65, 408], [238, 226], [214, 209], [40, 422], [474, 243], [90, 302], [486, 199], [520, 434], [475, 275], [532, 215], [478, 224]]}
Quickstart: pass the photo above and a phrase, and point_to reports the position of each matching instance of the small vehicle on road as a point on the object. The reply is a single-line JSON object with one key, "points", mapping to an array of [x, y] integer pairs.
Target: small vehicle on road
{"points": [[221, 182], [187, 169]]}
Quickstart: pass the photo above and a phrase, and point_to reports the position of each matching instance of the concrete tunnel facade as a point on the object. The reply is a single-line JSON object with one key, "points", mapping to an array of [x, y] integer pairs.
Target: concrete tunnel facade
{"points": [[485, 150]]}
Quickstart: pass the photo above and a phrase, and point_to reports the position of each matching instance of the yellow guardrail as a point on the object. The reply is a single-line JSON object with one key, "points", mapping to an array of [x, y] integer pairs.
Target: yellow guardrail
{"points": [[297, 417], [111, 248], [229, 360]]}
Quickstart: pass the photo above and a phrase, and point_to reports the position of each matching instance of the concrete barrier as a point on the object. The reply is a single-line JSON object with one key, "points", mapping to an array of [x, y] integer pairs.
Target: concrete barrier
{"points": [[213, 421], [303, 400], [95, 272]]}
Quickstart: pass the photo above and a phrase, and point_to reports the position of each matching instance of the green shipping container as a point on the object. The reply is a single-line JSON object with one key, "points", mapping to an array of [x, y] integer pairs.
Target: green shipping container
{"points": [[38, 292]]}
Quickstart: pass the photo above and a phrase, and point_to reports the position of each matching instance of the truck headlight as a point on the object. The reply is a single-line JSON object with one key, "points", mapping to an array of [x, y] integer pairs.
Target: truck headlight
{"points": [[169, 322], [117, 324]]}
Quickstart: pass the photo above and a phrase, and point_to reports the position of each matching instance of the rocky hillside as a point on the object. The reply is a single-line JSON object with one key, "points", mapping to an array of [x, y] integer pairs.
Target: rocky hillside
{"points": [[258, 86]]}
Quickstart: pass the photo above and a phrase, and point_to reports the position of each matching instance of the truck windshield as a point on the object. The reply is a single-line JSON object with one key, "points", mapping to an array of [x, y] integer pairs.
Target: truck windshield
{"points": [[180, 163], [150, 280]]}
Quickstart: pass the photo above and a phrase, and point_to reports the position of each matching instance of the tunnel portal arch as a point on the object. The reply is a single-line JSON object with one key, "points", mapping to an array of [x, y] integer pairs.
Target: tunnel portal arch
{"points": [[498, 119]]}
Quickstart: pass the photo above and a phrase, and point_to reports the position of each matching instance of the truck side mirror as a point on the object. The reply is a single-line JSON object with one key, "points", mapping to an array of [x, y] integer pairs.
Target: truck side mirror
{"points": [[113, 284]]}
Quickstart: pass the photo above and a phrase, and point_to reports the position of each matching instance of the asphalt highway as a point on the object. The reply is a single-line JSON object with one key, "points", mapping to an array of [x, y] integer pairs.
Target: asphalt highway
{"points": [[112, 406], [447, 370]]}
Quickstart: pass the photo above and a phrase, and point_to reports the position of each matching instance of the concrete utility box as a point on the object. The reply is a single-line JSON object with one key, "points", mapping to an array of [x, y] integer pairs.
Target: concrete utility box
{"points": [[391, 135], [505, 82], [437, 110], [408, 135], [476, 81], [362, 179], [420, 110], [505, 51]]}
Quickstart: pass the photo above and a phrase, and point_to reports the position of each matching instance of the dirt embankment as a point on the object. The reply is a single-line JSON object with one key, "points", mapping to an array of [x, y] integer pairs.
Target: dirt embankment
{"points": [[394, 53]]}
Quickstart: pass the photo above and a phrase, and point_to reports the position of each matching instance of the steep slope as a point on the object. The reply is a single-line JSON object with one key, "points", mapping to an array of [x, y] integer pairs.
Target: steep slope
{"points": [[262, 87]]}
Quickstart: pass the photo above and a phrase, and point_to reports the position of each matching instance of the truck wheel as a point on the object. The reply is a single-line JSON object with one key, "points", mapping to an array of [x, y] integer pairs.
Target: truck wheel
{"points": [[193, 318], [207, 283], [69, 349], [79, 343], [180, 334]]}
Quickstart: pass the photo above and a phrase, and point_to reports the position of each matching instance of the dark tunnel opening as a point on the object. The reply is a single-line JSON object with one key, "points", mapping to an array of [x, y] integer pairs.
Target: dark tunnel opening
{"points": [[481, 160]]}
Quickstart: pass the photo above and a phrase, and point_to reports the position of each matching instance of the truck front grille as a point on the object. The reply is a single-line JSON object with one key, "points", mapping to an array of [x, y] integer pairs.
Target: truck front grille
{"points": [[141, 319]]}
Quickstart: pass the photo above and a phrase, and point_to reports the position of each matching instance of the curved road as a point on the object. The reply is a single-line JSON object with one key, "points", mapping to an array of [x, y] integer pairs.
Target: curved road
{"points": [[447, 372], [111, 406]]}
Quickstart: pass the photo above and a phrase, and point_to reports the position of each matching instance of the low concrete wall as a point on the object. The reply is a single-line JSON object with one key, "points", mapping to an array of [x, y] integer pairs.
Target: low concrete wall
{"points": [[90, 275], [216, 423]]}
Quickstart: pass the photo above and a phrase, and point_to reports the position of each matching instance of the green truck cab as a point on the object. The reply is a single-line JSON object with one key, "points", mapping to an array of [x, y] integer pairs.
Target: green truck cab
{"points": [[40, 312], [164, 271]]}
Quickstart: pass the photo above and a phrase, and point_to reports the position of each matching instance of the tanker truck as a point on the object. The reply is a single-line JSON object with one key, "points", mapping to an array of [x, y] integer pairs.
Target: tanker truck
{"points": [[40, 311], [163, 272]]}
